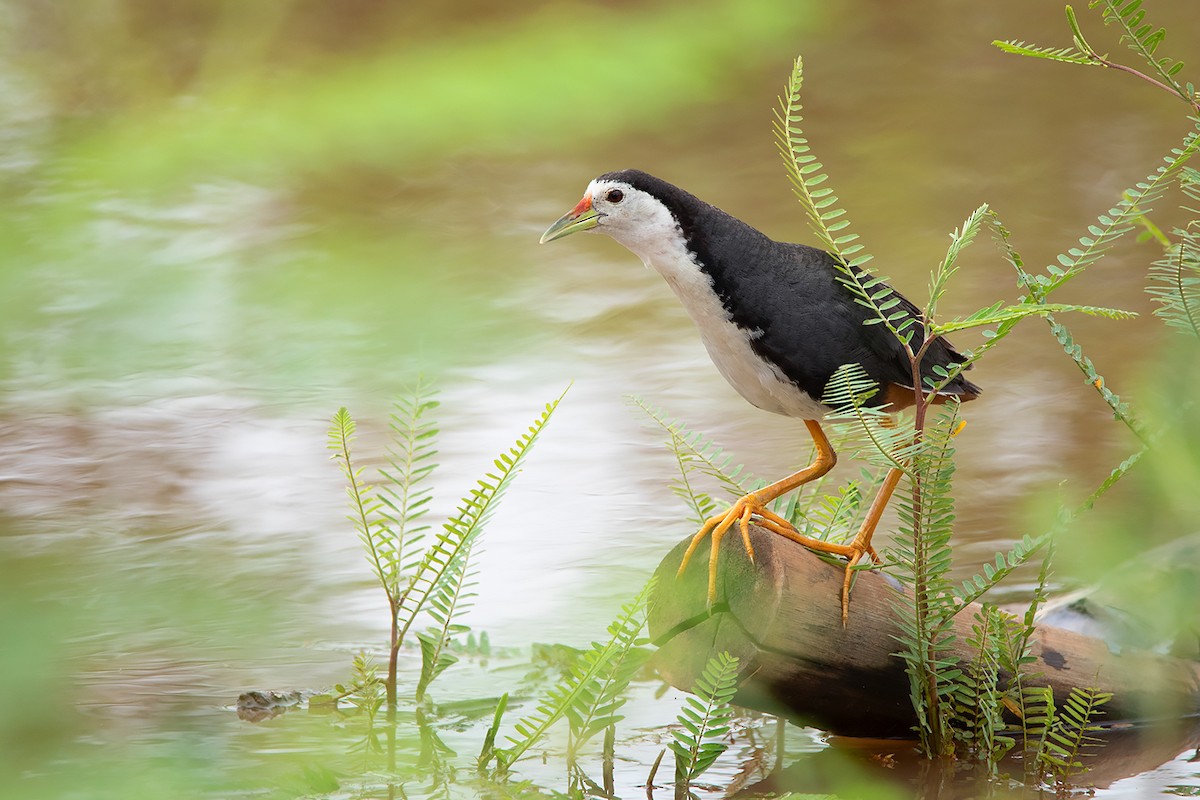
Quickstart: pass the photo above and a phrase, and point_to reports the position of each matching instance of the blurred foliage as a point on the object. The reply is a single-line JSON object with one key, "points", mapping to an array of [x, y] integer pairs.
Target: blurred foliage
{"points": [[194, 184], [244, 98], [1143, 549]]}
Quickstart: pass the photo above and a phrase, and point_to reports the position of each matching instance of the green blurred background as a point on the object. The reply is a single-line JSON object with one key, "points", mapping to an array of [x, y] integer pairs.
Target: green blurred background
{"points": [[223, 220]]}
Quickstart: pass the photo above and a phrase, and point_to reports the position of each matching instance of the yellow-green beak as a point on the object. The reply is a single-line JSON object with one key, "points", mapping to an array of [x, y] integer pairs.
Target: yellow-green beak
{"points": [[580, 218]]}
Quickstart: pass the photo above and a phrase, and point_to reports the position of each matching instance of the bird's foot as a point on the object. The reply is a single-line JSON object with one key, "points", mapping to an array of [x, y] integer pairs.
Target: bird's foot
{"points": [[858, 550], [752, 506]]}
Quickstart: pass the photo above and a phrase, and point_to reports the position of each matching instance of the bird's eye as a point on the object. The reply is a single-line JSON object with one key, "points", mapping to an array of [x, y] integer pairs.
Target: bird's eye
{"points": [[614, 196]]}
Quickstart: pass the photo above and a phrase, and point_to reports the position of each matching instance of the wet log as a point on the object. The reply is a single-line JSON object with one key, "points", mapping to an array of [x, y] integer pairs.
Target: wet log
{"points": [[781, 616]]}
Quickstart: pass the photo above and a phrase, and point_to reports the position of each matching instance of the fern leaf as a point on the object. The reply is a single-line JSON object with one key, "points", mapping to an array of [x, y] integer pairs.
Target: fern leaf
{"points": [[1142, 38], [694, 453], [364, 502], [997, 316], [590, 693], [460, 532], [834, 517], [921, 555], [959, 241], [1068, 55], [806, 175], [435, 659], [827, 220], [1021, 551], [705, 718], [1120, 409], [1069, 739], [977, 710], [1120, 220], [450, 600], [406, 492], [884, 445], [1175, 278], [607, 694]]}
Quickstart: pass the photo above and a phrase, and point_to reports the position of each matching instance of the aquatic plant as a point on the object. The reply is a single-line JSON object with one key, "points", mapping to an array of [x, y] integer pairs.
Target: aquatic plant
{"points": [[435, 579]]}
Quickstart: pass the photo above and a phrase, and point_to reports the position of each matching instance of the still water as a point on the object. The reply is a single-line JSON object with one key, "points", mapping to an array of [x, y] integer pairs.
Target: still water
{"points": [[174, 345]]}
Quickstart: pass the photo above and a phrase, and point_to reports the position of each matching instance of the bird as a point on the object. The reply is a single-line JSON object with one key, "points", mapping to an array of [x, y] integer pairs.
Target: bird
{"points": [[777, 320]]}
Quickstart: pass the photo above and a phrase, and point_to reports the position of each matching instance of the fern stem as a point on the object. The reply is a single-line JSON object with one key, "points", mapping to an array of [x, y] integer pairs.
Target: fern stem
{"points": [[393, 656], [1137, 39]]}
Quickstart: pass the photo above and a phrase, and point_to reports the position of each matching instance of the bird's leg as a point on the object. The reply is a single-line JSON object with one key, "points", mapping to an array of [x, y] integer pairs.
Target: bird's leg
{"points": [[861, 546], [754, 504]]}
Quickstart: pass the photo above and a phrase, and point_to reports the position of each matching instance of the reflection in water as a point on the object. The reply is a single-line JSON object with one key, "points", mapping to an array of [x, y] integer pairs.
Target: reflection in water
{"points": [[1120, 754], [171, 350]]}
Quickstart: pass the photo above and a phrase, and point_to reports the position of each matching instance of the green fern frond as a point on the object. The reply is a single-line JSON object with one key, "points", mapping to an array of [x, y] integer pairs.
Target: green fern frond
{"points": [[406, 492], [1120, 409], [591, 693], [1017, 654], [998, 314], [921, 559], [1175, 283], [977, 708], [848, 390], [600, 701], [976, 586], [1120, 220], [993, 336], [365, 504], [365, 691], [705, 718], [828, 221], [1019, 554], [1142, 38], [1100, 238], [959, 241], [1070, 738], [695, 453], [449, 601], [366, 694], [1175, 278], [1040, 716], [1067, 55], [806, 175], [834, 517], [460, 532]]}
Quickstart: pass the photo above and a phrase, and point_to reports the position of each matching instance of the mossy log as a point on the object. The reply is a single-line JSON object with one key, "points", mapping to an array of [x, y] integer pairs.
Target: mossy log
{"points": [[781, 616]]}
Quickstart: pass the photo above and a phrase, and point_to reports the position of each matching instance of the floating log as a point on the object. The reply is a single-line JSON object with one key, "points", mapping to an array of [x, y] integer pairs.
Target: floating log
{"points": [[781, 616]]}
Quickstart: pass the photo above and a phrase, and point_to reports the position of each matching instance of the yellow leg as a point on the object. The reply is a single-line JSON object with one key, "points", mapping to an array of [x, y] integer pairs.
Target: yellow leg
{"points": [[754, 504], [862, 540]]}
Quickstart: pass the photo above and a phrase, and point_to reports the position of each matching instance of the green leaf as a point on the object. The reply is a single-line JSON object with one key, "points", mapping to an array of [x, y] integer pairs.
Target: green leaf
{"points": [[696, 454], [1068, 55], [1175, 277], [705, 718], [1142, 38], [441, 572], [993, 316], [434, 659], [593, 689]]}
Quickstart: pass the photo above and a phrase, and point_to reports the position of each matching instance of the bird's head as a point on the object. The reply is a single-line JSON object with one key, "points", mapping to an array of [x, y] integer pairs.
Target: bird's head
{"points": [[622, 205]]}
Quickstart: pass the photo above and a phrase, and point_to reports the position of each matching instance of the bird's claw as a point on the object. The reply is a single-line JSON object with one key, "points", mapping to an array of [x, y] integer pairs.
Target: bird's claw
{"points": [[750, 507]]}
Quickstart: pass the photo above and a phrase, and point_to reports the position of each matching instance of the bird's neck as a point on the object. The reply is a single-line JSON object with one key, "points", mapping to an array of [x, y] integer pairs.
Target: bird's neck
{"points": [[658, 247]]}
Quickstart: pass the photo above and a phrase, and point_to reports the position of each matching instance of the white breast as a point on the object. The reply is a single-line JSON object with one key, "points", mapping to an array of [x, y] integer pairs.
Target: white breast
{"points": [[728, 346]]}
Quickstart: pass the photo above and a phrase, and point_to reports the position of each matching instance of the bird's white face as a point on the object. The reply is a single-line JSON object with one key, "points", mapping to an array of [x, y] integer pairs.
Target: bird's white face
{"points": [[634, 218]]}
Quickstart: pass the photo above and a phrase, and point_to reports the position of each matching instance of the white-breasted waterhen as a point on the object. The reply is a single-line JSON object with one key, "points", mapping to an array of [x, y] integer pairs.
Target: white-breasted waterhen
{"points": [[777, 322]]}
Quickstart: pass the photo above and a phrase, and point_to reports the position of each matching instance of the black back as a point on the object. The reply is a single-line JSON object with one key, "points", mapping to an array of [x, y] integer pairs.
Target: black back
{"points": [[809, 320]]}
